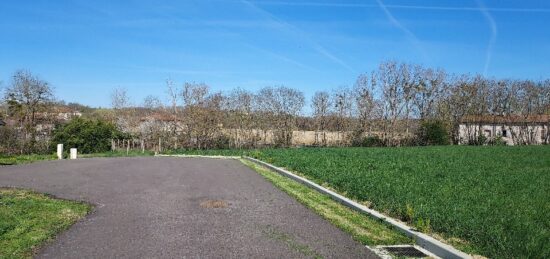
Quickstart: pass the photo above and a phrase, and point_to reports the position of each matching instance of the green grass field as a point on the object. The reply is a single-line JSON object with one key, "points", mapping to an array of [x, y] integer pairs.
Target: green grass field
{"points": [[29, 219], [493, 201]]}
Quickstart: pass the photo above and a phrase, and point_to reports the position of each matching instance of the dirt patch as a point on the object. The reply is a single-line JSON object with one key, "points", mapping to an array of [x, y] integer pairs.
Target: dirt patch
{"points": [[214, 204]]}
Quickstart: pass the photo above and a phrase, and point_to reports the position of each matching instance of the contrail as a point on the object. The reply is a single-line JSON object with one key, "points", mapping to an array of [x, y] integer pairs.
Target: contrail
{"points": [[407, 32], [279, 56], [419, 7], [316, 46], [494, 32]]}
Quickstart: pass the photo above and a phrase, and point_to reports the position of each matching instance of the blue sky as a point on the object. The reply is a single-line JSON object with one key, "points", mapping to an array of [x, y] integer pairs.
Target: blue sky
{"points": [[87, 48]]}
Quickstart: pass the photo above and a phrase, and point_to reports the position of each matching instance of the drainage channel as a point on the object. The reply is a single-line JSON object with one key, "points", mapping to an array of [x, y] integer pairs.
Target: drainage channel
{"points": [[401, 251]]}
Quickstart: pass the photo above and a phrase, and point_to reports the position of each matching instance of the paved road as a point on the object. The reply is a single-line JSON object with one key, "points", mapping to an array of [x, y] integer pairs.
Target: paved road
{"points": [[150, 208]]}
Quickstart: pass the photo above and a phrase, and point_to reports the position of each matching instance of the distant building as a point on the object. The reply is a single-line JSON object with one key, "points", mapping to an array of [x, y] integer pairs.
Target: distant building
{"points": [[512, 129]]}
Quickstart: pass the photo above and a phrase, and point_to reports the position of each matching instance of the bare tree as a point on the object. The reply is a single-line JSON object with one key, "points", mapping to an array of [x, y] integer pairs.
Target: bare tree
{"points": [[390, 83], [321, 105], [202, 115], [342, 99], [283, 105], [365, 103], [126, 118], [120, 98], [194, 93], [152, 102], [27, 95], [240, 104], [173, 96], [431, 88]]}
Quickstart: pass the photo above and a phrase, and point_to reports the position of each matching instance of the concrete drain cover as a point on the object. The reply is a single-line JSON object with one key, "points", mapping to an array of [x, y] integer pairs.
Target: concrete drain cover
{"points": [[405, 251], [401, 251], [214, 204]]}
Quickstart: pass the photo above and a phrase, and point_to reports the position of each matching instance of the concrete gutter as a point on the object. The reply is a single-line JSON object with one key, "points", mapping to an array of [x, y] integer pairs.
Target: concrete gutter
{"points": [[427, 242], [201, 156]]}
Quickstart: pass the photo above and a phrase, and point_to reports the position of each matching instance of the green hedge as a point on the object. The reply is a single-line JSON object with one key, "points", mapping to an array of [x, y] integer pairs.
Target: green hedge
{"points": [[88, 136]]}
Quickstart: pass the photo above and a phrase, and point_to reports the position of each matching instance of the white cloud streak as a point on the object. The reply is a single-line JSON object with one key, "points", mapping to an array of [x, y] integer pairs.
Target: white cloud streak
{"points": [[296, 31], [418, 7], [494, 34], [416, 42], [280, 57]]}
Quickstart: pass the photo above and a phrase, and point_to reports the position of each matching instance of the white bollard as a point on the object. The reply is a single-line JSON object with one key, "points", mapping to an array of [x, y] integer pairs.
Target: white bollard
{"points": [[59, 151], [73, 153]]}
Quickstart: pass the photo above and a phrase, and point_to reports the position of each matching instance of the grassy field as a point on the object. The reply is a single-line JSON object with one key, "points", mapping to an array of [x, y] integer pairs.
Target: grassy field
{"points": [[493, 201], [29, 219]]}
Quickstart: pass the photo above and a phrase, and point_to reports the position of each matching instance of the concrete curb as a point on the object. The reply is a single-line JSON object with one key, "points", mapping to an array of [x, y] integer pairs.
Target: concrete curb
{"points": [[200, 156], [427, 242]]}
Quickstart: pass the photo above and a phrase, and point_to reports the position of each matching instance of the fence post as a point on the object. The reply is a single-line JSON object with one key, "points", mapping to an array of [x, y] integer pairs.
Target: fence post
{"points": [[160, 146], [59, 151], [73, 153]]}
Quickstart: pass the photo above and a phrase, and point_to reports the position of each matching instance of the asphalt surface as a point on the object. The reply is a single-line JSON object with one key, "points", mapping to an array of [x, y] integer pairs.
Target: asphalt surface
{"points": [[151, 208]]}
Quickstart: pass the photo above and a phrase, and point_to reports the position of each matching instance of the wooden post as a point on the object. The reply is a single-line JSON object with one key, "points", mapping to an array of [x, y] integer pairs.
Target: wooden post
{"points": [[160, 146], [127, 147], [142, 146]]}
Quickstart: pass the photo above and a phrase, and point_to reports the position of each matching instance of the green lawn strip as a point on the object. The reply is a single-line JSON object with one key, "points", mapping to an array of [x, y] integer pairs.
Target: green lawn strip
{"points": [[131, 153], [303, 249], [29, 219], [361, 227], [24, 159]]}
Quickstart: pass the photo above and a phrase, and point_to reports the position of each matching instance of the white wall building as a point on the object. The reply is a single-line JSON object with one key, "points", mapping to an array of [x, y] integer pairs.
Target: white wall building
{"points": [[513, 130]]}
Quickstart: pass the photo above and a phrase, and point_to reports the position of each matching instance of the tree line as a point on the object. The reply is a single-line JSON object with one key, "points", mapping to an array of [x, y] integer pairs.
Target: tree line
{"points": [[396, 104]]}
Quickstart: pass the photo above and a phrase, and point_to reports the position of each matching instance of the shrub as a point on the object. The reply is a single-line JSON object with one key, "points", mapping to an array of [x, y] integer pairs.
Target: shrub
{"points": [[410, 141], [88, 136], [479, 141], [220, 142], [370, 141], [432, 132], [9, 143], [498, 141]]}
